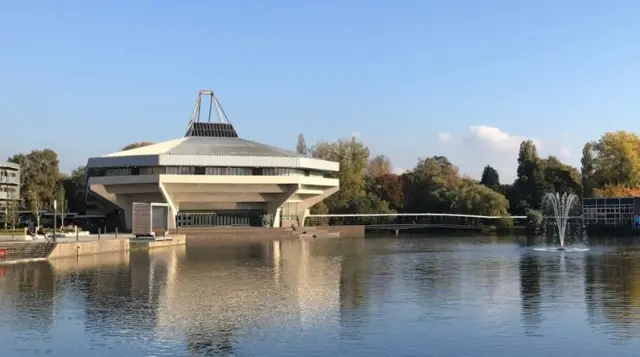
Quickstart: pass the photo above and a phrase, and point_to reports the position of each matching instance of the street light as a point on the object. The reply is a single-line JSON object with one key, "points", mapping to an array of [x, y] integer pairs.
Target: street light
{"points": [[55, 218]]}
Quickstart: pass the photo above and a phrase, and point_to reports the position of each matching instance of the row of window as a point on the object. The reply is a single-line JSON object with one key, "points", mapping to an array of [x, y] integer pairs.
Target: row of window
{"points": [[588, 202], [200, 170], [9, 189], [8, 173]]}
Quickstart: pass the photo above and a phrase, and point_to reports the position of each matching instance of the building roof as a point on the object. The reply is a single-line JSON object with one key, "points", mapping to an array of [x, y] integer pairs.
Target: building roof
{"points": [[10, 165], [211, 144]]}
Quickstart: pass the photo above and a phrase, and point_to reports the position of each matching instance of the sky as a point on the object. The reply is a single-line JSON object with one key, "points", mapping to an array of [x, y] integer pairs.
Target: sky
{"points": [[462, 78]]}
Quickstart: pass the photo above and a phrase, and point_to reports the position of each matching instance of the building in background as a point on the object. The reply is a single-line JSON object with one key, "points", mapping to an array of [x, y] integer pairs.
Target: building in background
{"points": [[211, 177], [9, 184], [610, 212]]}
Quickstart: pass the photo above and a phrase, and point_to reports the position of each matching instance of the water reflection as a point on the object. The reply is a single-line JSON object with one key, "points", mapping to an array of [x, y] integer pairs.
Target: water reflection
{"points": [[471, 296]]}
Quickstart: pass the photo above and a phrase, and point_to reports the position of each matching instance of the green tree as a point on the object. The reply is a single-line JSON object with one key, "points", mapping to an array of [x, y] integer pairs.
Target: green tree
{"points": [[560, 177], [137, 145], [353, 158], [39, 175], [11, 210], [301, 147], [617, 160], [473, 198], [490, 178], [75, 190], [530, 186], [588, 170]]}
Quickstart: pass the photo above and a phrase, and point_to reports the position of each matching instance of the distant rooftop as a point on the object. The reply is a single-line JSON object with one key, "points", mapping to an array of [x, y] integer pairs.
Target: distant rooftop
{"points": [[9, 165]]}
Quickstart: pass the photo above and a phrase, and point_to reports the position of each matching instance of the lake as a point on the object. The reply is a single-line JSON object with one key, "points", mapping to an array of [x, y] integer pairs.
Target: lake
{"points": [[406, 296]]}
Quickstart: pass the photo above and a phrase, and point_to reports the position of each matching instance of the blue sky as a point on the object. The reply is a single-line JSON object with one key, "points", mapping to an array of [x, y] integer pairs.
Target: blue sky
{"points": [[462, 78]]}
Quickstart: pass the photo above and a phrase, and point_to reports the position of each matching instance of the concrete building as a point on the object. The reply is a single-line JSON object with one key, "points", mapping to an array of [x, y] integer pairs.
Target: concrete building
{"points": [[212, 177], [9, 184]]}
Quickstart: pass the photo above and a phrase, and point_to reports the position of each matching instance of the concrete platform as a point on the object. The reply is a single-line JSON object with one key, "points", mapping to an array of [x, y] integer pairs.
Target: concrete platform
{"points": [[143, 243], [37, 250]]}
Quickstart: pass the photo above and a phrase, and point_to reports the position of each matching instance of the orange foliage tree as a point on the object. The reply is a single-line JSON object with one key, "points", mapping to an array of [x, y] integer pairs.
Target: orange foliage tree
{"points": [[617, 191]]}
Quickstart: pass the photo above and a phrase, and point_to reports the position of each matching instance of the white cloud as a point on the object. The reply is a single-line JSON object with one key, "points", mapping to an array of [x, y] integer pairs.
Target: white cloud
{"points": [[399, 171], [445, 137], [486, 145], [565, 152]]}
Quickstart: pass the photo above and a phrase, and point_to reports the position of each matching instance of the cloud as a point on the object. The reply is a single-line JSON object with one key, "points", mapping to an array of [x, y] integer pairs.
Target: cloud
{"points": [[565, 152], [445, 137], [399, 171], [483, 145]]}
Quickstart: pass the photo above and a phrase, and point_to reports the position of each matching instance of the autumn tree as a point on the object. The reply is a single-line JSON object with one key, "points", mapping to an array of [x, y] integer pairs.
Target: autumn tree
{"points": [[389, 188], [137, 145], [379, 166], [301, 146], [616, 191], [490, 178]]}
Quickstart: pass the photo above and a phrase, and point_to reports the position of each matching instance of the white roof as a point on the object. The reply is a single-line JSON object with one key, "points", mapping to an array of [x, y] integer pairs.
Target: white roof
{"points": [[211, 151]]}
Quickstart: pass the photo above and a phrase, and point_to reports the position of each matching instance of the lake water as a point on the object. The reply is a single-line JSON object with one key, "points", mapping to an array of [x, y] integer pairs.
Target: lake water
{"points": [[474, 296]]}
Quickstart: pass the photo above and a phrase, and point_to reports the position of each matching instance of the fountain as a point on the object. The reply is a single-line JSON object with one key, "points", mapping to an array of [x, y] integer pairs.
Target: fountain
{"points": [[561, 206]]}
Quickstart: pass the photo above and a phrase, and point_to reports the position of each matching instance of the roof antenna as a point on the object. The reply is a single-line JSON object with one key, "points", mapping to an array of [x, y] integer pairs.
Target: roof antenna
{"points": [[220, 127]]}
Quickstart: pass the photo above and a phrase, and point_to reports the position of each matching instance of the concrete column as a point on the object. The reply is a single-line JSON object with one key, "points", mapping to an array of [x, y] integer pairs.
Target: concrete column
{"points": [[274, 207], [173, 208]]}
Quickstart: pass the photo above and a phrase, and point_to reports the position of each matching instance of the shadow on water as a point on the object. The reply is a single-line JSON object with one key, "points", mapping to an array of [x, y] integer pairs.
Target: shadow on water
{"points": [[290, 298]]}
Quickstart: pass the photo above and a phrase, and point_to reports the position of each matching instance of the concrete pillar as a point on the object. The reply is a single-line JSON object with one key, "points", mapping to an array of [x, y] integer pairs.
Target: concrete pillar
{"points": [[173, 208]]}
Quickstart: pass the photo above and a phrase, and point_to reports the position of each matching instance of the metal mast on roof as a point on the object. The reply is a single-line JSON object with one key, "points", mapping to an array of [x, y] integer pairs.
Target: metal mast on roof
{"points": [[221, 127]]}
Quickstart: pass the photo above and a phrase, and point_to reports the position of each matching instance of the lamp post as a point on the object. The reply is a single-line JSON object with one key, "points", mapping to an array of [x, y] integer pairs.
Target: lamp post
{"points": [[55, 218]]}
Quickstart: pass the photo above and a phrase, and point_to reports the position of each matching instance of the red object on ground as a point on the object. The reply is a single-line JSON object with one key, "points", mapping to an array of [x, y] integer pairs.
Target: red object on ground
{"points": [[3, 253]]}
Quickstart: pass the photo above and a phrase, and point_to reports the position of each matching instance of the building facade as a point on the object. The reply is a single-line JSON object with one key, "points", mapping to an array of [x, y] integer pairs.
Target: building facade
{"points": [[9, 184], [212, 177], [619, 211]]}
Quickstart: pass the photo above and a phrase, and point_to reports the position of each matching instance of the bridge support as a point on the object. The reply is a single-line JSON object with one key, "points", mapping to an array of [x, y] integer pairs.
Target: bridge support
{"points": [[397, 232]]}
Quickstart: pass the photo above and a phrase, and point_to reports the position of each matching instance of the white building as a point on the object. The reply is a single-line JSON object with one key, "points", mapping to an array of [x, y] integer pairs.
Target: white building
{"points": [[9, 184], [211, 177]]}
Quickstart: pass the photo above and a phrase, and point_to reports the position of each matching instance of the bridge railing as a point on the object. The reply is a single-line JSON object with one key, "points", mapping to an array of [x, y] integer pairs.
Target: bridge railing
{"points": [[436, 219]]}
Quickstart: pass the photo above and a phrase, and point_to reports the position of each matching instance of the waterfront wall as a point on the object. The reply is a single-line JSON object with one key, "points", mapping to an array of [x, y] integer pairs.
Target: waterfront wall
{"points": [[75, 249]]}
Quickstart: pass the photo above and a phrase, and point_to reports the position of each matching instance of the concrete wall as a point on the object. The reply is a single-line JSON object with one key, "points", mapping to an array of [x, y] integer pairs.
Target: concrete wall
{"points": [[74, 249]]}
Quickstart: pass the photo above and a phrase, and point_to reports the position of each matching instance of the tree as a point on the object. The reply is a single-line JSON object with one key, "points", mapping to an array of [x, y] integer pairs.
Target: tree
{"points": [[529, 187], [617, 160], [40, 174], [61, 203], [616, 191], [490, 178], [137, 145], [75, 190], [12, 209], [588, 169], [560, 177], [301, 147], [34, 204], [379, 166], [353, 157], [473, 198], [390, 188]]}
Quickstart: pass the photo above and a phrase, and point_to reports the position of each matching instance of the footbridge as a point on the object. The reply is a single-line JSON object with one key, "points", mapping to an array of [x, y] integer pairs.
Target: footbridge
{"points": [[403, 221]]}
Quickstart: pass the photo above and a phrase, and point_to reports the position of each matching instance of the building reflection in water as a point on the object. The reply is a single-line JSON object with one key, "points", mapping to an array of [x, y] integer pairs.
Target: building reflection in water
{"points": [[612, 292], [225, 292]]}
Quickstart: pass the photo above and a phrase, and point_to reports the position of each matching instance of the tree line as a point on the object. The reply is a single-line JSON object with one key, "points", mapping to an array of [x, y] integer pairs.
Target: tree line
{"points": [[610, 167]]}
